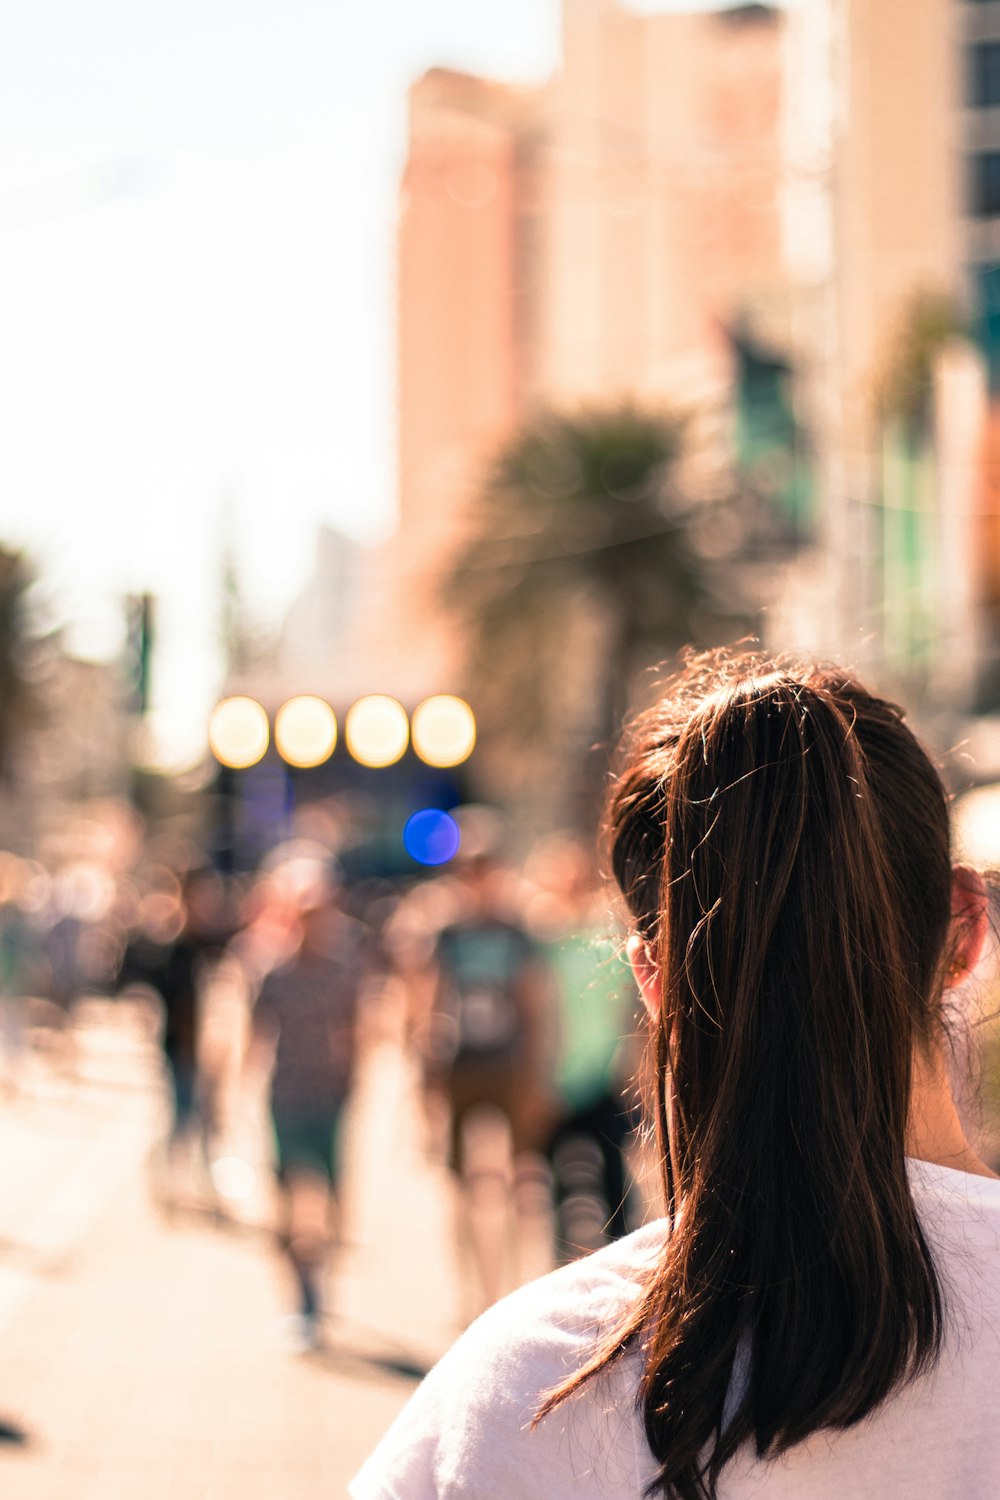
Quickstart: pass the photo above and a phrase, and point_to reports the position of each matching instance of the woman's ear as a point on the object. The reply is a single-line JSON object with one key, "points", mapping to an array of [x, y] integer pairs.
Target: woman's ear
{"points": [[969, 923], [647, 974]]}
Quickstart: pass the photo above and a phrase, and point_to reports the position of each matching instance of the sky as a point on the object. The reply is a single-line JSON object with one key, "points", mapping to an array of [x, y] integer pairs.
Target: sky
{"points": [[197, 202]]}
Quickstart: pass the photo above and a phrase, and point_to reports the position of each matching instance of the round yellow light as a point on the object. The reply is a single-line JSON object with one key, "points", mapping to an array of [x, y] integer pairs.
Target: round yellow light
{"points": [[444, 730], [238, 732], [376, 730], [305, 731]]}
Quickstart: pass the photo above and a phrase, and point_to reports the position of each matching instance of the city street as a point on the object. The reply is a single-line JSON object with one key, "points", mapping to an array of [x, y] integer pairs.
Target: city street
{"points": [[144, 1354]]}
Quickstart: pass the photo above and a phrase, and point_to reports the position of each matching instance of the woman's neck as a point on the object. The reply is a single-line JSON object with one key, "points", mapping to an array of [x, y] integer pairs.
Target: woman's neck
{"points": [[934, 1132]]}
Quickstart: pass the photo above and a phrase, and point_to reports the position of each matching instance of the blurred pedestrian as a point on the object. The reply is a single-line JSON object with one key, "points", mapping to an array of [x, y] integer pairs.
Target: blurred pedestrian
{"points": [[304, 1025], [76, 960], [597, 1055], [183, 936], [19, 967], [489, 1049]]}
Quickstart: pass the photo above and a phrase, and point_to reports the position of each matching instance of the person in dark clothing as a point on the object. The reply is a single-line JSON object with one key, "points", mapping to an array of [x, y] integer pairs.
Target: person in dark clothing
{"points": [[176, 966]]}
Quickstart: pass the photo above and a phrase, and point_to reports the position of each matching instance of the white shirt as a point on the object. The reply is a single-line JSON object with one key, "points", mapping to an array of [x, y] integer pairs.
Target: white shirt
{"points": [[466, 1434]]}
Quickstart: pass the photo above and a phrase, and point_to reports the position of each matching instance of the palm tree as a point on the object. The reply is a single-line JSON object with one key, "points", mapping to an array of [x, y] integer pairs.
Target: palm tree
{"points": [[579, 570]]}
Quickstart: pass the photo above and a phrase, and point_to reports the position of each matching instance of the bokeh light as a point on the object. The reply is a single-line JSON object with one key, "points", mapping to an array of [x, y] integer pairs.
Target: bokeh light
{"points": [[305, 731], [444, 730], [238, 732], [377, 730], [431, 837], [976, 826], [233, 1178]]}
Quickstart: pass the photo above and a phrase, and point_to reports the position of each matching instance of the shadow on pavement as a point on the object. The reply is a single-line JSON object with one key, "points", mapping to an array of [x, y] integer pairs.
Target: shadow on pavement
{"points": [[13, 1436], [367, 1365], [354, 1350]]}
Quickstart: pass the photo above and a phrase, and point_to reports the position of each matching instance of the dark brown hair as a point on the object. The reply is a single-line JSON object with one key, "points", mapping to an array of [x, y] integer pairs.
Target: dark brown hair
{"points": [[782, 844]]}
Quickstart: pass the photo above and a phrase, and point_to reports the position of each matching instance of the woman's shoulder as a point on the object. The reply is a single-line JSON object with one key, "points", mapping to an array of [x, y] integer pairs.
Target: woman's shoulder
{"points": [[947, 1200], [616, 1266], [555, 1319], [473, 1415]]}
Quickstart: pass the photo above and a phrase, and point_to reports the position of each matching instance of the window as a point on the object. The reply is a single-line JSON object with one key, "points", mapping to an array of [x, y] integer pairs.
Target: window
{"points": [[983, 75], [984, 185]]}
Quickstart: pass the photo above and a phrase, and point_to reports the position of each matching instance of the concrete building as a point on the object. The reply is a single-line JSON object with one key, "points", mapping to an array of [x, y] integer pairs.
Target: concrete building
{"points": [[891, 228], [659, 189], [978, 26], [591, 241], [316, 649], [463, 286]]}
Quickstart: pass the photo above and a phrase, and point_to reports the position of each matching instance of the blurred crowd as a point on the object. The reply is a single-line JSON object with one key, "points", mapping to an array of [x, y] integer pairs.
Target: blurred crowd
{"points": [[500, 981]]}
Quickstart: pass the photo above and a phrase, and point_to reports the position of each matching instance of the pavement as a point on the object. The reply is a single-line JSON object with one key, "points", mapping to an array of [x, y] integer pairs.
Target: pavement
{"points": [[143, 1354]]}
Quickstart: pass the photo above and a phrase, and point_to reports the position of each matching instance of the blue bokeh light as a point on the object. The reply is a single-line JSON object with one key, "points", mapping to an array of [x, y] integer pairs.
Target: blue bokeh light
{"points": [[431, 837]]}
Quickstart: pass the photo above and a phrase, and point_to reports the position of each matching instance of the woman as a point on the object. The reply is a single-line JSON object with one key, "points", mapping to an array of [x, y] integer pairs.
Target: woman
{"points": [[818, 1314]]}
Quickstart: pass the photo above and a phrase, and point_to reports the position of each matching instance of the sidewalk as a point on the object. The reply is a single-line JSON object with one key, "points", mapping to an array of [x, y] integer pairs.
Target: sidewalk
{"points": [[78, 1127], [153, 1369], [142, 1358]]}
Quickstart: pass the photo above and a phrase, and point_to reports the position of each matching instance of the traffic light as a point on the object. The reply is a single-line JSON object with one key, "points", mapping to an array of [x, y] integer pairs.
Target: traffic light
{"points": [[138, 651]]}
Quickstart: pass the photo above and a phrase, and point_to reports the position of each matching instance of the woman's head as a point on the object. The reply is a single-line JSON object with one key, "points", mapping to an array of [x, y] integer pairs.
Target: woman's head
{"points": [[781, 840], [741, 784]]}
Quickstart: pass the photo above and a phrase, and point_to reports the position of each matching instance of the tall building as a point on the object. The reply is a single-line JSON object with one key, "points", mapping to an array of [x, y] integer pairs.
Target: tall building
{"points": [[462, 286], [889, 234], [316, 646], [659, 187], [978, 25], [594, 240], [979, 82]]}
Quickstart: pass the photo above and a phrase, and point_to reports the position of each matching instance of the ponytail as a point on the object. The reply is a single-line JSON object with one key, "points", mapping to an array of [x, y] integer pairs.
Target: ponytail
{"points": [[782, 843]]}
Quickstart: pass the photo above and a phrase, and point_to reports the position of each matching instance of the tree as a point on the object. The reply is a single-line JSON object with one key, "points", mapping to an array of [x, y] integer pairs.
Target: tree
{"points": [[246, 644], [928, 323], [581, 567]]}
